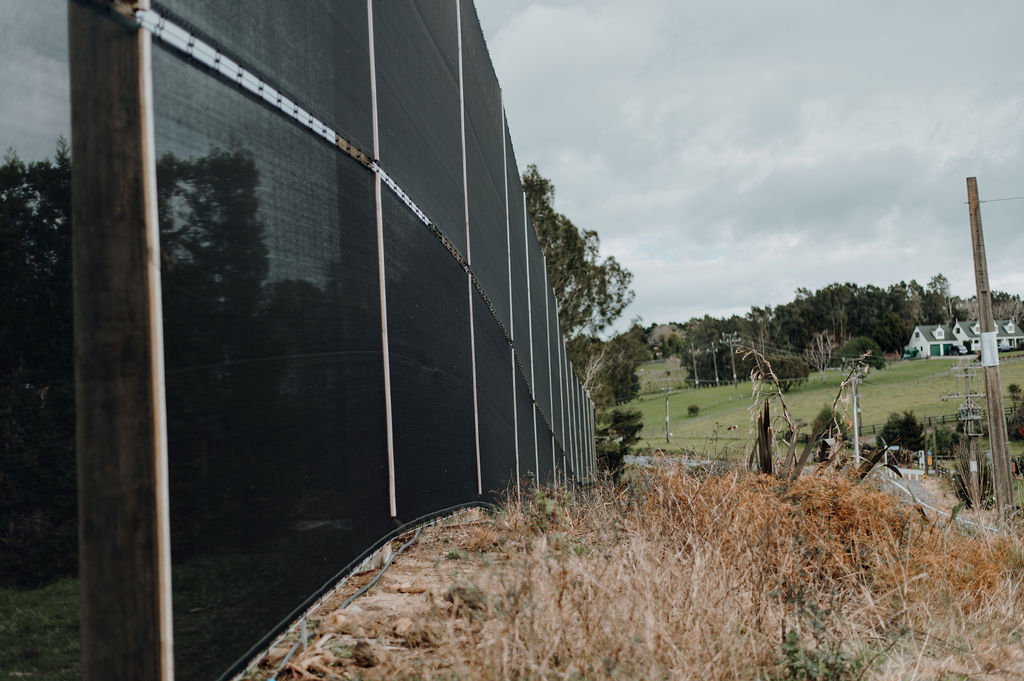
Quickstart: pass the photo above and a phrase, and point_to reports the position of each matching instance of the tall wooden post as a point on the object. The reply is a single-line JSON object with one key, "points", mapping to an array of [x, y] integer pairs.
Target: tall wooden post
{"points": [[997, 436], [124, 548]]}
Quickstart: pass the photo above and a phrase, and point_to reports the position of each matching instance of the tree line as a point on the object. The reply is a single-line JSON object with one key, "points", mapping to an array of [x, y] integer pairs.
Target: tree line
{"points": [[821, 328], [591, 292]]}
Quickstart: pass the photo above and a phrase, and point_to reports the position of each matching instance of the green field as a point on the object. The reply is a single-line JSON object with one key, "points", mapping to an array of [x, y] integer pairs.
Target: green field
{"points": [[725, 420]]}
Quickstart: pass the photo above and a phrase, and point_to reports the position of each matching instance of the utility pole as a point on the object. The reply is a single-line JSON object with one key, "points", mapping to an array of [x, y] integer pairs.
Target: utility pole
{"points": [[714, 358], [997, 436], [667, 434], [969, 413], [732, 340], [696, 379], [856, 420]]}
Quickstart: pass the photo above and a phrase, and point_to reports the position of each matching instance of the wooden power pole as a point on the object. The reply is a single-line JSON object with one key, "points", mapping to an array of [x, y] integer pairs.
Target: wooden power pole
{"points": [[693, 356], [997, 436]]}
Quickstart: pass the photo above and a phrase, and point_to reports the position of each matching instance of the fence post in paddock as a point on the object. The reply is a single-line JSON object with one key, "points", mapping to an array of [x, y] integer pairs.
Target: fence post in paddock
{"points": [[120, 431]]}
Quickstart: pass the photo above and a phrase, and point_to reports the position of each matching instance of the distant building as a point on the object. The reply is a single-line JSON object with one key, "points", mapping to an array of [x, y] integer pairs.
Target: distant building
{"points": [[932, 340], [936, 340]]}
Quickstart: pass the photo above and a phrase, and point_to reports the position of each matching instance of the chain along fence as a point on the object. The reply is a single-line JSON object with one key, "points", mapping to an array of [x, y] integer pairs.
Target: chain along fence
{"points": [[356, 330]]}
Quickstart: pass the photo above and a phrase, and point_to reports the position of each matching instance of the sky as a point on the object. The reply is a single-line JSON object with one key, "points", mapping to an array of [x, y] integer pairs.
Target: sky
{"points": [[728, 153], [34, 78]]}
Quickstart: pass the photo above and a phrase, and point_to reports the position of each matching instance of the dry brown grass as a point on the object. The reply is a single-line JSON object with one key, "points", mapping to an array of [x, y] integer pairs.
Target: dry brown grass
{"points": [[733, 576]]}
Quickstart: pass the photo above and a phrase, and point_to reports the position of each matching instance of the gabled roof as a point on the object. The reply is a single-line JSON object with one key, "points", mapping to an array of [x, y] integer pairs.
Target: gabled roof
{"points": [[1005, 328], [1008, 328], [967, 328], [928, 332]]}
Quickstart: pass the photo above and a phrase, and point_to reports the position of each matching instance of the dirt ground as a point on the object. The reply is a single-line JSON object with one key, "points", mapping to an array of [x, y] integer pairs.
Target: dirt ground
{"points": [[446, 607], [399, 619]]}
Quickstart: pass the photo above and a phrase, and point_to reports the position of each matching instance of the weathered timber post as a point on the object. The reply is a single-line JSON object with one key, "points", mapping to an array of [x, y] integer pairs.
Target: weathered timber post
{"points": [[120, 432], [1001, 480]]}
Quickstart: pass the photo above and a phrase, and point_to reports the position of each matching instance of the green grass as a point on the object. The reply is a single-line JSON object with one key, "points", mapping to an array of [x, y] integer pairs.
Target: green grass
{"points": [[915, 386], [39, 628], [39, 633]]}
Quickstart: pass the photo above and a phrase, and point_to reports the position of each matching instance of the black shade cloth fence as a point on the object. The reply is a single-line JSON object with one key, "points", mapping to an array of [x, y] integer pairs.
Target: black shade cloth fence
{"points": [[358, 327]]}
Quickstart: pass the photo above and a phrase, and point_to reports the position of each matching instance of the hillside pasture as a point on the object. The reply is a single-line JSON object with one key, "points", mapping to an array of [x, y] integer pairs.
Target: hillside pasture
{"points": [[725, 419]]}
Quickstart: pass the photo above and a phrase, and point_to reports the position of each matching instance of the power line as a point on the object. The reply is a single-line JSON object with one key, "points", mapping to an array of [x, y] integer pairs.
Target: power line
{"points": [[1008, 198]]}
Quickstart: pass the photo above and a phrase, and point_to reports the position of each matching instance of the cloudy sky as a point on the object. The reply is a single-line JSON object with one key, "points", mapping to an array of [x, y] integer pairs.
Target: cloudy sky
{"points": [[730, 152]]}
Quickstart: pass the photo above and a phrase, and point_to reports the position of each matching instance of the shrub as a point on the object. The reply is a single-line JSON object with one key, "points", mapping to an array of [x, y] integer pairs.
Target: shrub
{"points": [[693, 410], [907, 428], [947, 439], [962, 478], [855, 347], [823, 421], [1015, 421], [789, 369], [617, 430], [792, 371]]}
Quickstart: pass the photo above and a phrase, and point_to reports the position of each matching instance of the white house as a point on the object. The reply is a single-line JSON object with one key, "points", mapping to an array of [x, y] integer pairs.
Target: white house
{"points": [[935, 340], [932, 340], [1008, 334]]}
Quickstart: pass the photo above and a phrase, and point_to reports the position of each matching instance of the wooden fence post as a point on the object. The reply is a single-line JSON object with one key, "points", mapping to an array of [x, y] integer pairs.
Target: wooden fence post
{"points": [[124, 545]]}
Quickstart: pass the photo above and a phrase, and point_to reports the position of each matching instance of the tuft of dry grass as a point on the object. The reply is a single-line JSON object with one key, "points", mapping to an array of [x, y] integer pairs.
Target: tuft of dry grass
{"points": [[727, 576]]}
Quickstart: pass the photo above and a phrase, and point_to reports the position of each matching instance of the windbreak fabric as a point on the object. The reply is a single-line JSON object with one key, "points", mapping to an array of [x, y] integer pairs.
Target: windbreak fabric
{"points": [[431, 367], [520, 300], [273, 358], [580, 425], [539, 328], [555, 353], [316, 52], [526, 433], [568, 412], [416, 55], [485, 167], [495, 402], [302, 311], [545, 452]]}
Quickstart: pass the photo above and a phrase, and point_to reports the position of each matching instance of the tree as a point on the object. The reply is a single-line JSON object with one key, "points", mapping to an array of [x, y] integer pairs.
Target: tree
{"points": [[1015, 421], [828, 425], [791, 370], [38, 507], [591, 293], [855, 347], [907, 428], [819, 353], [609, 367], [938, 300], [1007, 306], [824, 423], [617, 430], [890, 332], [947, 440]]}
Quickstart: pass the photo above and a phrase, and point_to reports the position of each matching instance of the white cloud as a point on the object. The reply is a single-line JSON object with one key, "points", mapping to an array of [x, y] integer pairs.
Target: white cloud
{"points": [[729, 153]]}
